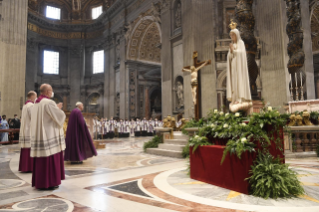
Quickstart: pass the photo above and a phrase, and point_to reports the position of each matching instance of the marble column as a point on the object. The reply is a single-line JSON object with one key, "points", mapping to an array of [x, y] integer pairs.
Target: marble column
{"points": [[199, 35], [31, 65], [307, 47], [112, 82], [167, 63], [123, 82], [13, 43], [76, 71], [271, 14], [147, 102], [107, 72]]}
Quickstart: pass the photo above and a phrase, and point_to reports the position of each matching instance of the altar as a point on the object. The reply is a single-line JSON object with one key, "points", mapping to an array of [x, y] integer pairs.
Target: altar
{"points": [[309, 105]]}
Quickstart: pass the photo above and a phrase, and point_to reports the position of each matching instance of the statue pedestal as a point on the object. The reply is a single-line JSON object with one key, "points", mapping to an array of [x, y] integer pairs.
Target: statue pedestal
{"points": [[309, 105], [257, 106]]}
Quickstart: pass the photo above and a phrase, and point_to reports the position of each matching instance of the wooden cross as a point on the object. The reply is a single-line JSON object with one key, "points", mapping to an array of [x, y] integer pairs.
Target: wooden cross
{"points": [[197, 66]]}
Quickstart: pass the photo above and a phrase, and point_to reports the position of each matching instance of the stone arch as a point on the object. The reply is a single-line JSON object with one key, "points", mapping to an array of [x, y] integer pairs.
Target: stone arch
{"points": [[144, 41]]}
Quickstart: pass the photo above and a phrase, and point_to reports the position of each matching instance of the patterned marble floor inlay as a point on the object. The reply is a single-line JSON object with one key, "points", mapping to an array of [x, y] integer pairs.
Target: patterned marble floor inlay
{"points": [[70, 172], [130, 187], [49, 203], [13, 194]]}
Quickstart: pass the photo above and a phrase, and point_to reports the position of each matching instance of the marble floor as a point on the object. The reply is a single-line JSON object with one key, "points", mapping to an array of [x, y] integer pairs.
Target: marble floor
{"points": [[122, 178]]}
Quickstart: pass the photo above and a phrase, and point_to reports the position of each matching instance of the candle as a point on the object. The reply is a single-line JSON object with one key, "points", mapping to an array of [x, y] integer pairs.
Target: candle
{"points": [[296, 80], [301, 78], [290, 81]]}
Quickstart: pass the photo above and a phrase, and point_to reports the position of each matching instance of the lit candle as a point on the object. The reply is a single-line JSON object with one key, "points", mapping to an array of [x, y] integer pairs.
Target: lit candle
{"points": [[301, 78]]}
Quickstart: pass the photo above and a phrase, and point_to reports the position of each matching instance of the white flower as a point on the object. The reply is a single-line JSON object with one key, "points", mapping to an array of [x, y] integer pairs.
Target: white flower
{"points": [[243, 124], [196, 136], [215, 111], [227, 114], [243, 140], [237, 114], [221, 113], [269, 108], [225, 125], [213, 125]]}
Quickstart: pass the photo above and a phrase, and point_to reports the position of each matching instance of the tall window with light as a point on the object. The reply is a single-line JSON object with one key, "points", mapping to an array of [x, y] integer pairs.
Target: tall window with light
{"points": [[96, 12], [51, 62], [98, 62], [53, 12]]}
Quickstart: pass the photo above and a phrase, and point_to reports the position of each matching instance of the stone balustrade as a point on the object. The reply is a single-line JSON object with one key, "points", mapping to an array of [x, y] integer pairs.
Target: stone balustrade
{"points": [[222, 47], [303, 138]]}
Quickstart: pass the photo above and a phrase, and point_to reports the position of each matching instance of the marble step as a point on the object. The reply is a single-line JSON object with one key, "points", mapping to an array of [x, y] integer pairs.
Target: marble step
{"points": [[171, 147], [176, 141], [181, 136], [165, 152]]}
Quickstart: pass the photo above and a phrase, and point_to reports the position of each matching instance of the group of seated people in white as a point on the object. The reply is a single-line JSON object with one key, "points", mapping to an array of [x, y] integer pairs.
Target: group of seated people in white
{"points": [[109, 128]]}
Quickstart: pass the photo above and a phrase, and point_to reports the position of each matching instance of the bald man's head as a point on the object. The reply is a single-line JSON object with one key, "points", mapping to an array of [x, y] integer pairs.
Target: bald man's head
{"points": [[46, 90]]}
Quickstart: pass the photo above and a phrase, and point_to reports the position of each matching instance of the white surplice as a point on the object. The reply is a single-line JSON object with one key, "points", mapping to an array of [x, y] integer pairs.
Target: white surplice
{"points": [[25, 129], [47, 135]]}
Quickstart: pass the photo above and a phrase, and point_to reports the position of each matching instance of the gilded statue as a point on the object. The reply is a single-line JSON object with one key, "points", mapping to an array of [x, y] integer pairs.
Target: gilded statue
{"points": [[293, 120], [306, 118], [299, 120]]}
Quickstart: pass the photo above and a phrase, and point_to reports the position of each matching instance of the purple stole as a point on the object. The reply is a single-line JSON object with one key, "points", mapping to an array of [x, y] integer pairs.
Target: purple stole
{"points": [[121, 127]]}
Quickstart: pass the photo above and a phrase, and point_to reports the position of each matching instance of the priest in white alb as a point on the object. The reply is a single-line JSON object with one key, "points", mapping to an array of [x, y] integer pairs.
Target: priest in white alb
{"points": [[47, 141], [26, 162], [238, 86]]}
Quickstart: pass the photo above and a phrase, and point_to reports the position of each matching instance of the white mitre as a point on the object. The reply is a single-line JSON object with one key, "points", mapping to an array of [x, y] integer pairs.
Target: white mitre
{"points": [[78, 103]]}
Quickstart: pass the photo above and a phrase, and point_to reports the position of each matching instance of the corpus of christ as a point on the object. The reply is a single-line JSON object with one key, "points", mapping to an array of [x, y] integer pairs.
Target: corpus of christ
{"points": [[159, 105]]}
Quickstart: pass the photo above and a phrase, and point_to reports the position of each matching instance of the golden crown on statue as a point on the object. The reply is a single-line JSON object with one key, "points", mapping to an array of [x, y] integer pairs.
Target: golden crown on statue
{"points": [[232, 25]]}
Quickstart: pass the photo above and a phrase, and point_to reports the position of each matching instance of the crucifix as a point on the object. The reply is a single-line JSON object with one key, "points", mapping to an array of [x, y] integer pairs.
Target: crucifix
{"points": [[194, 69]]}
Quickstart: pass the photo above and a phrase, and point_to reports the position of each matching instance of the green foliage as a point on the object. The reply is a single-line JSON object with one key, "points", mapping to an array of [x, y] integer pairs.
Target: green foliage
{"points": [[272, 179], [197, 141], [153, 143], [185, 152], [192, 123], [238, 147]]}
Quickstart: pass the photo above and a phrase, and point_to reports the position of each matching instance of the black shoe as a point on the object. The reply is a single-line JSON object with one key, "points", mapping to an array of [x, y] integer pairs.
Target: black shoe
{"points": [[54, 187], [46, 189]]}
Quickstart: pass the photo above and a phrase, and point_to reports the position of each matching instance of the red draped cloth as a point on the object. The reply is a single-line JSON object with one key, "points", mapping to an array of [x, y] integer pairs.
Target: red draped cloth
{"points": [[205, 165], [48, 171], [26, 162]]}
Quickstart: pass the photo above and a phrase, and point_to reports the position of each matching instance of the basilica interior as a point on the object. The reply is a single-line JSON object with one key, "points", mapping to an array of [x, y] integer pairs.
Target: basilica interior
{"points": [[124, 59]]}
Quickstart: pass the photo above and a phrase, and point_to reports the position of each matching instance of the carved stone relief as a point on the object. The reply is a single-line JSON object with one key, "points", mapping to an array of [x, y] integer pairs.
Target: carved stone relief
{"points": [[178, 15]]}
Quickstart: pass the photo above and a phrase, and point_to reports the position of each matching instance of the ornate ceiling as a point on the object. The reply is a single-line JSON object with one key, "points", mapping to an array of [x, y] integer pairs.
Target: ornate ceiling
{"points": [[70, 9]]}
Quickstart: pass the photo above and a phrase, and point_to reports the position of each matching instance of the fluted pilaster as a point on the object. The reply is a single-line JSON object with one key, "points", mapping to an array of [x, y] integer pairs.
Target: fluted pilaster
{"points": [[13, 42]]}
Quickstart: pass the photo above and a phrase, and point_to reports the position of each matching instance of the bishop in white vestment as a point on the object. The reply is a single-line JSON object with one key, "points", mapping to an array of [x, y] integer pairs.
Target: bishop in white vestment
{"points": [[47, 141], [26, 162]]}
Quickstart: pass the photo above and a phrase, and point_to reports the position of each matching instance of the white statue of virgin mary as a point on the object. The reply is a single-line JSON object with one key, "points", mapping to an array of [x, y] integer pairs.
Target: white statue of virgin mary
{"points": [[238, 89]]}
